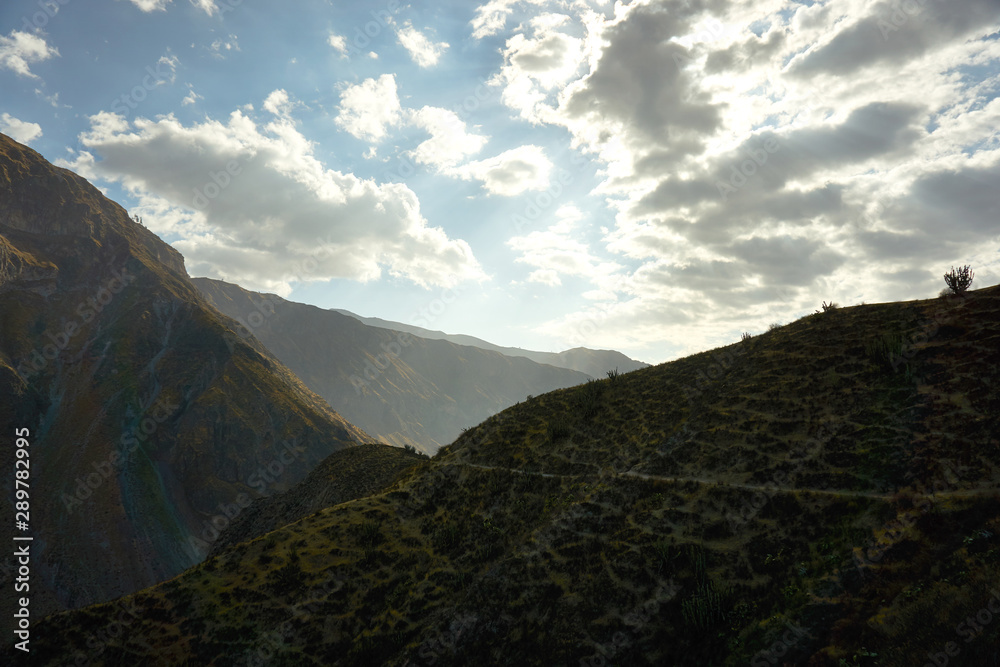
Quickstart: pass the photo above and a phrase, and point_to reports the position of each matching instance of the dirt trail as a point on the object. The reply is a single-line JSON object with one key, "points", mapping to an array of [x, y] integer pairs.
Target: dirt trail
{"points": [[767, 488]]}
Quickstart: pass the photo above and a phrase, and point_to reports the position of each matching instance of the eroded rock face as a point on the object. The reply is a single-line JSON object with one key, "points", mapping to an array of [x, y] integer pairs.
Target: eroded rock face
{"points": [[147, 413]]}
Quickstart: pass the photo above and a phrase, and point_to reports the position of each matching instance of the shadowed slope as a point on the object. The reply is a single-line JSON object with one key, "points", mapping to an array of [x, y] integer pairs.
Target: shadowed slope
{"points": [[145, 410]]}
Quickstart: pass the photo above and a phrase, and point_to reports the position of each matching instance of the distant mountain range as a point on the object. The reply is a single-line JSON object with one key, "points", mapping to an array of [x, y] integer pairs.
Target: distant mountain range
{"points": [[595, 363], [395, 383]]}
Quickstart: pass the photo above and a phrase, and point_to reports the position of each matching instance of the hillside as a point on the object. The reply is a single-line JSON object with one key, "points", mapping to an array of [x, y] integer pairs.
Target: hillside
{"points": [[400, 388], [822, 494], [146, 413], [346, 475], [595, 363]]}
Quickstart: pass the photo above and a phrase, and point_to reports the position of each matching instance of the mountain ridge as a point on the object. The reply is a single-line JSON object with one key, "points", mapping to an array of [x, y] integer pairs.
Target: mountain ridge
{"points": [[145, 409], [395, 385], [824, 494], [595, 363]]}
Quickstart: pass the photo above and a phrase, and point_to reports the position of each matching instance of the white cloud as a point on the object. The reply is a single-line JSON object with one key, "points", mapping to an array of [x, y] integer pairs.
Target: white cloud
{"points": [[251, 203], [423, 51], [450, 140], [883, 146], [151, 5], [369, 108], [19, 130], [207, 6], [20, 49], [220, 48], [191, 98], [491, 17], [509, 173], [339, 44], [279, 103], [558, 251]]}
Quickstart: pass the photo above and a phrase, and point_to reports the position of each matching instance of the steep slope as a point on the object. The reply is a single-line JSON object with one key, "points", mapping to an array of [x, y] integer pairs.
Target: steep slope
{"points": [[349, 474], [398, 387], [595, 363], [823, 494], [146, 412]]}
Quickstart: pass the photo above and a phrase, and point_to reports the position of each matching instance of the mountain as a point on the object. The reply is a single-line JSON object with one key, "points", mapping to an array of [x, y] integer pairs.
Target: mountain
{"points": [[595, 363], [399, 387], [823, 494], [346, 475], [147, 418]]}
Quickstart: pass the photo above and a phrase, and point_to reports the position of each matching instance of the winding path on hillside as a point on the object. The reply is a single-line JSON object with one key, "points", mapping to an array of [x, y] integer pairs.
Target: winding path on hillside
{"points": [[767, 488]]}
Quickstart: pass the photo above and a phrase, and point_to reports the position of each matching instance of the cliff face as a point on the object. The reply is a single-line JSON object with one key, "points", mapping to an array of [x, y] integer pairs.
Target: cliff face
{"points": [[149, 417], [402, 388]]}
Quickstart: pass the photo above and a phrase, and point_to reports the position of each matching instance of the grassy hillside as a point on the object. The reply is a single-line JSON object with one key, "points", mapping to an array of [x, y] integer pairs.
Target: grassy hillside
{"points": [[823, 494], [351, 473]]}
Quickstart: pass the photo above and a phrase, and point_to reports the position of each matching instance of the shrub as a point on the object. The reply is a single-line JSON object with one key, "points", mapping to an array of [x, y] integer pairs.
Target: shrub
{"points": [[885, 349], [827, 307], [959, 280], [588, 398], [773, 325], [613, 375], [558, 430], [746, 336]]}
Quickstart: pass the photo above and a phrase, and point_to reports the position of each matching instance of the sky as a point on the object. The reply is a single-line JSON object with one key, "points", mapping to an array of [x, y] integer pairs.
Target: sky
{"points": [[652, 177]]}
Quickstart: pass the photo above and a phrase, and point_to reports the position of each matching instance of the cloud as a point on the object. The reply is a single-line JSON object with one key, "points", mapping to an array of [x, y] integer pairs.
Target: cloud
{"points": [[423, 51], [537, 67], [207, 6], [339, 44], [558, 251], [151, 5], [191, 98], [19, 130], [509, 173], [221, 47], [895, 32], [491, 17], [279, 103], [747, 184], [250, 202], [369, 108], [20, 49], [450, 140]]}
